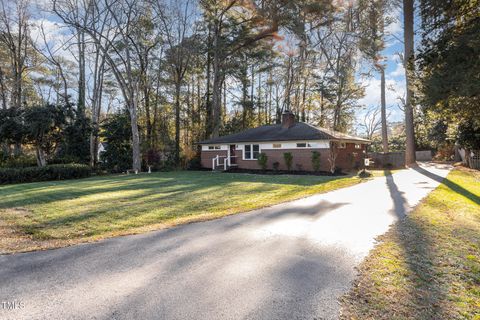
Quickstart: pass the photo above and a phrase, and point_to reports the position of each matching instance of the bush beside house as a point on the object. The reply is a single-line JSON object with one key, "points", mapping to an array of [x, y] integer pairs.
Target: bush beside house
{"points": [[262, 161], [316, 161], [288, 157]]}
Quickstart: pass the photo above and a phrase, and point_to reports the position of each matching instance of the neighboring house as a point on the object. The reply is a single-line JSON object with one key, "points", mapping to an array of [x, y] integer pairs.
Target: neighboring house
{"points": [[102, 147], [241, 150]]}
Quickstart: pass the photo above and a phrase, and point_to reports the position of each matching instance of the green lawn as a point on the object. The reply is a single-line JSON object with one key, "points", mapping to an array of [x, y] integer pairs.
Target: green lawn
{"points": [[428, 265], [52, 214]]}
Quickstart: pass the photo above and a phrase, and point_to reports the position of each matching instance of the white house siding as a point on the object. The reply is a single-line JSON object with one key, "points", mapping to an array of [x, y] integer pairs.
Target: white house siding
{"points": [[285, 145], [222, 147]]}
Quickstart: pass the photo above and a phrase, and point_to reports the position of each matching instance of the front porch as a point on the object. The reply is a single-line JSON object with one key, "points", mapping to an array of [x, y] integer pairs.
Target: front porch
{"points": [[224, 162]]}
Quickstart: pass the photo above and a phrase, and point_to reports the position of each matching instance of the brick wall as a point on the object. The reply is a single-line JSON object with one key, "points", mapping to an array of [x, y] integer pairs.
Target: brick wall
{"points": [[347, 158], [302, 157], [207, 156], [350, 157]]}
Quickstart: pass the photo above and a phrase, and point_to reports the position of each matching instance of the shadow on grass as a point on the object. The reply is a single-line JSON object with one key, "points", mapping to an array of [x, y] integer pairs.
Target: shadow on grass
{"points": [[47, 192], [425, 293], [150, 206], [452, 185]]}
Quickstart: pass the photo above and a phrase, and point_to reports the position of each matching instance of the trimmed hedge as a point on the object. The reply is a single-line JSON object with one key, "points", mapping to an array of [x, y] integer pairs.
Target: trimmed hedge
{"points": [[50, 172], [21, 161]]}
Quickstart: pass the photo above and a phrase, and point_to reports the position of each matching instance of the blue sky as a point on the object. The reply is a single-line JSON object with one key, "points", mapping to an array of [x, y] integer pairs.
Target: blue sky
{"points": [[395, 75]]}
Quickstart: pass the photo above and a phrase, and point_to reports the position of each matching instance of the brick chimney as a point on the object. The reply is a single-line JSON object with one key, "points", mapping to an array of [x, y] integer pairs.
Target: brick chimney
{"points": [[288, 119]]}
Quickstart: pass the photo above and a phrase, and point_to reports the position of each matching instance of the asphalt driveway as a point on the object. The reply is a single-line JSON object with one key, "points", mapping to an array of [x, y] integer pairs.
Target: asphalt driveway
{"points": [[290, 261]]}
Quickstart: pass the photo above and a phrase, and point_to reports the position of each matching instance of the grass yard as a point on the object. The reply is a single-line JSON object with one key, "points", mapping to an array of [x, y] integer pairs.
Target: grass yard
{"points": [[52, 214], [428, 265]]}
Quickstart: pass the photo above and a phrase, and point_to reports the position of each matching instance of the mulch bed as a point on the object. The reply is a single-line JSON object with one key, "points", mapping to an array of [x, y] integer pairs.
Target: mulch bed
{"points": [[283, 172]]}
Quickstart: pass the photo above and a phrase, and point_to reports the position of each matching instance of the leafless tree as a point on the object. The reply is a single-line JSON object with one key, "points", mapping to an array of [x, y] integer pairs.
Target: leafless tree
{"points": [[179, 27], [371, 122], [15, 35], [332, 155], [337, 44], [49, 52], [119, 42]]}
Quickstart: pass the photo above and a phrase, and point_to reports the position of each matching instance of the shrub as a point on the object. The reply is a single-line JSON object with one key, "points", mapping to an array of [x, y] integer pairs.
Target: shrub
{"points": [[276, 165], [194, 163], [117, 133], [364, 174], [262, 160], [288, 157], [50, 172], [316, 161], [388, 165], [63, 160], [20, 161]]}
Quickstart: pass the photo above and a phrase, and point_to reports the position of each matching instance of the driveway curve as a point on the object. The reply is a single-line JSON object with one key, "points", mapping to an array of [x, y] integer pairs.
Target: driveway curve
{"points": [[289, 261]]}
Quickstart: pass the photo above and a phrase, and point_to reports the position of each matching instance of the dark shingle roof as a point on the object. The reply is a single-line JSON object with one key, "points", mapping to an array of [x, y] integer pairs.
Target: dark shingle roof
{"points": [[299, 131]]}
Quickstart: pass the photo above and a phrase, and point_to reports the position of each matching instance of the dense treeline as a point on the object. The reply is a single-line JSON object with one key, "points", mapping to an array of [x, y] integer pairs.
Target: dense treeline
{"points": [[448, 84], [152, 77]]}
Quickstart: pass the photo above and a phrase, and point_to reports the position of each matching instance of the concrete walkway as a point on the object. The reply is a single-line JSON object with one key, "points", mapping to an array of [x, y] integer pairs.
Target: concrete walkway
{"points": [[290, 261]]}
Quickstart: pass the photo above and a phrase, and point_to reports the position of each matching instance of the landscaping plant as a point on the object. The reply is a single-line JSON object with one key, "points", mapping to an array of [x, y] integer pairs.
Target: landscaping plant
{"points": [[288, 157], [49, 172], [276, 165], [316, 161], [262, 160]]}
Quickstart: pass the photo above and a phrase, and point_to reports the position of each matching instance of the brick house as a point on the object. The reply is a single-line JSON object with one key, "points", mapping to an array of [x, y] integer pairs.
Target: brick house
{"points": [[241, 150]]}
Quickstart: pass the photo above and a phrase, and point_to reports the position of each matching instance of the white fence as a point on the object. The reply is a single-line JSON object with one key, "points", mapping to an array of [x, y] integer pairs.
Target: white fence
{"points": [[475, 161]]}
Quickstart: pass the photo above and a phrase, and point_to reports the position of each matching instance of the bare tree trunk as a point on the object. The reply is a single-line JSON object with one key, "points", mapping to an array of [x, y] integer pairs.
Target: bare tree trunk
{"points": [[383, 110], [81, 71], [332, 156], [177, 123], [467, 157], [217, 87], [41, 162], [408, 12], [3, 94], [322, 110], [252, 87], [136, 155], [96, 106], [148, 115], [3, 90], [208, 105], [259, 98], [304, 99], [245, 112]]}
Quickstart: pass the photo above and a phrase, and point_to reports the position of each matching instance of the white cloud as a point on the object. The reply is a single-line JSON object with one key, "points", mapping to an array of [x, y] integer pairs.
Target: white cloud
{"points": [[395, 27], [394, 21], [56, 35], [394, 90], [398, 72]]}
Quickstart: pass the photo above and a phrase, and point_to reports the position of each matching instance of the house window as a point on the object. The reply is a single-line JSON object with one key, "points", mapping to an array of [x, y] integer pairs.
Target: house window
{"points": [[358, 146], [214, 147], [277, 145], [304, 145], [342, 145], [251, 152]]}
